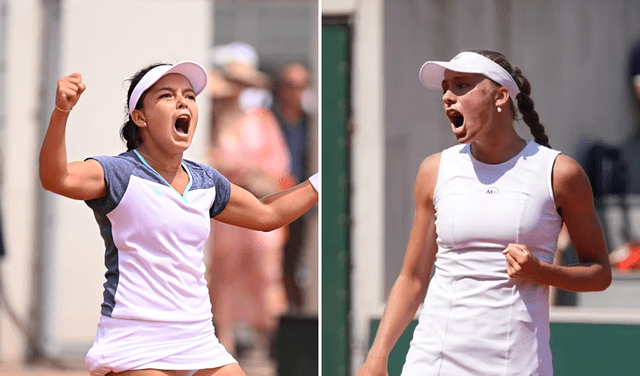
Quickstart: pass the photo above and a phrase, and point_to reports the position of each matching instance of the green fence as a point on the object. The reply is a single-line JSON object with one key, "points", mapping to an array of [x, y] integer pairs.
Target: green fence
{"points": [[335, 198]]}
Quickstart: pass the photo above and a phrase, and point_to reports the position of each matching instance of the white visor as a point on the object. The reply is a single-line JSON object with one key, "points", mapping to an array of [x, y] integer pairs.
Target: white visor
{"points": [[194, 72], [432, 72]]}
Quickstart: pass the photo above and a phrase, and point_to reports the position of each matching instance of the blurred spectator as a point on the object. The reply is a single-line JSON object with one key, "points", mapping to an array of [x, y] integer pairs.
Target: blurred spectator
{"points": [[631, 146], [607, 170], [615, 173], [249, 149], [627, 256], [293, 99]]}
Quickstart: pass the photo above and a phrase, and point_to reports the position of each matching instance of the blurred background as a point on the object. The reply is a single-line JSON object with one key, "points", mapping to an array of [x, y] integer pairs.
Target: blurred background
{"points": [[379, 123], [51, 259]]}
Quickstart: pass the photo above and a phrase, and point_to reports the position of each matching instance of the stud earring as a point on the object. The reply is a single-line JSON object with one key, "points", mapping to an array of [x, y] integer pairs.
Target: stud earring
{"points": [[499, 109]]}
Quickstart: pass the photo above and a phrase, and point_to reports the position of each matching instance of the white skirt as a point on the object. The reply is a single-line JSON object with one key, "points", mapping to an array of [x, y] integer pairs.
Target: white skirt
{"points": [[122, 345]]}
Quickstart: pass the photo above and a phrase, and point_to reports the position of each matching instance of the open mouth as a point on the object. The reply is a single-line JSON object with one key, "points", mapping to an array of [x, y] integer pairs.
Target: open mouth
{"points": [[456, 118], [182, 124]]}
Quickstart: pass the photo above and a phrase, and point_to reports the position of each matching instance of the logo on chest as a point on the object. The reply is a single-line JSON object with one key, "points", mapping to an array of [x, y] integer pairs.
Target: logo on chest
{"points": [[491, 191]]}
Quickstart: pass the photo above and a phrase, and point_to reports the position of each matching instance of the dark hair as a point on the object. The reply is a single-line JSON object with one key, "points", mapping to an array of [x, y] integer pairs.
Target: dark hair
{"points": [[525, 103], [130, 132]]}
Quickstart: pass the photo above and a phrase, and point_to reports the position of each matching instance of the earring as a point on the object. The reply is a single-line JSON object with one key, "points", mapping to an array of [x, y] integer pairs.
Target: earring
{"points": [[499, 109]]}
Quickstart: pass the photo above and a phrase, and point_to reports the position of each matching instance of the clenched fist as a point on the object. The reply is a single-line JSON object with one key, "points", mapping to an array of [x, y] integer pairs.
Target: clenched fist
{"points": [[522, 263], [69, 90]]}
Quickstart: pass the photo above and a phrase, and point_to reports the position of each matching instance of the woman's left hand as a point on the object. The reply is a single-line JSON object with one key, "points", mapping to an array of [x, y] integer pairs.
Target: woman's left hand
{"points": [[522, 264]]}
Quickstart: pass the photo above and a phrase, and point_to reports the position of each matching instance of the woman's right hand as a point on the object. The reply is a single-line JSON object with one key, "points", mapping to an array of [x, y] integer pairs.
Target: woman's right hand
{"points": [[82, 180], [69, 90]]}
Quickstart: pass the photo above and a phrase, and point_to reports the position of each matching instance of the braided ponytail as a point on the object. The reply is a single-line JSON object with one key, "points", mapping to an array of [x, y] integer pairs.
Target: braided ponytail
{"points": [[529, 114], [525, 103]]}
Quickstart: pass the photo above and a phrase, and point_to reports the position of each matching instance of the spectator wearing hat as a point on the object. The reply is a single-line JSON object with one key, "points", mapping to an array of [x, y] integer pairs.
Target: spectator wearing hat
{"points": [[248, 147]]}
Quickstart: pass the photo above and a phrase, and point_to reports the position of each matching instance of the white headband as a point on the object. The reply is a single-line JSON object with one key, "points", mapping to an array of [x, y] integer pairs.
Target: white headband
{"points": [[432, 72], [194, 72]]}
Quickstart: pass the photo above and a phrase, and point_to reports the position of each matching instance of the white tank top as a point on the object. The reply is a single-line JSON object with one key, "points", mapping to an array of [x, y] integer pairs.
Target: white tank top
{"points": [[475, 320]]}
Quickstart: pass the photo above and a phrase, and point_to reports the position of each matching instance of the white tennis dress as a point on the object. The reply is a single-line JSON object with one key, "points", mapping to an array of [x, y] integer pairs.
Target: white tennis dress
{"points": [[156, 311], [475, 320]]}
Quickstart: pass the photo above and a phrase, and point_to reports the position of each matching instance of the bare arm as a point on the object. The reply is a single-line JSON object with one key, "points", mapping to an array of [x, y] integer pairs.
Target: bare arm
{"points": [[77, 180], [574, 200], [270, 212], [410, 287]]}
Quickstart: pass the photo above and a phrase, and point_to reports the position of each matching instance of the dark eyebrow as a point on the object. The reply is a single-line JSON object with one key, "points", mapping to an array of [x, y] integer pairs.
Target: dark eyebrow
{"points": [[172, 89]]}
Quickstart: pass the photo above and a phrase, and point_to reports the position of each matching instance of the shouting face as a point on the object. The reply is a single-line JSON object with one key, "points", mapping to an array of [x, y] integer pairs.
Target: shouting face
{"points": [[469, 103], [169, 113]]}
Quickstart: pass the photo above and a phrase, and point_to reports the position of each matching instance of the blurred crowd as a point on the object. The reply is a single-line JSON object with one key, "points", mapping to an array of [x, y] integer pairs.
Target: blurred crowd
{"points": [[260, 137], [614, 173]]}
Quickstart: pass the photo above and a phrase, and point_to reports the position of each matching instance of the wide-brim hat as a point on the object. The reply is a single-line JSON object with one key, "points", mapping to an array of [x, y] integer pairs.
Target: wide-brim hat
{"points": [[221, 81], [246, 74]]}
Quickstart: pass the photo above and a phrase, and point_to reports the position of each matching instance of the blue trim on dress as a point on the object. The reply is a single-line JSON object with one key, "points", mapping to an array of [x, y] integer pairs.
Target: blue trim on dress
{"points": [[184, 166]]}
